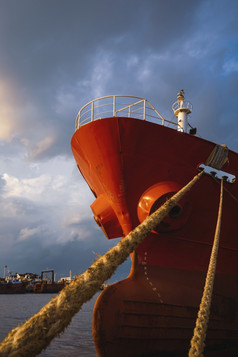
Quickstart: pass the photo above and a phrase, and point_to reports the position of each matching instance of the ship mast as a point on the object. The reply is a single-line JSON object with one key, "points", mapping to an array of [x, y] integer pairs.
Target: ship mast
{"points": [[4, 272], [182, 108]]}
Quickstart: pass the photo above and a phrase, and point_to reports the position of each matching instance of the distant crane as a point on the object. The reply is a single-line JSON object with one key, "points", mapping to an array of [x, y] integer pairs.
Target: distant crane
{"points": [[4, 272], [48, 271]]}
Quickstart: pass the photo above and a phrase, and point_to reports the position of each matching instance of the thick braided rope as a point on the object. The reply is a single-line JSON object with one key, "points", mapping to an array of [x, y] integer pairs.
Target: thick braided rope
{"points": [[199, 336], [34, 335], [218, 157]]}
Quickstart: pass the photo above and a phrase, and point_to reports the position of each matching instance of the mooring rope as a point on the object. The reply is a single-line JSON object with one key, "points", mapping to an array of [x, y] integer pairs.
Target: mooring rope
{"points": [[199, 336], [218, 157], [34, 335]]}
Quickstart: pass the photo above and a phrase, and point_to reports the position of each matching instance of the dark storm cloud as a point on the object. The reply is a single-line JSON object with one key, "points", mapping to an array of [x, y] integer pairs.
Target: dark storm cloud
{"points": [[48, 47], [60, 54], [76, 255], [57, 55]]}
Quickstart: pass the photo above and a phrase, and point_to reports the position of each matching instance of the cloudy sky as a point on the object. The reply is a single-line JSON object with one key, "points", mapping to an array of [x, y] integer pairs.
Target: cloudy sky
{"points": [[55, 56]]}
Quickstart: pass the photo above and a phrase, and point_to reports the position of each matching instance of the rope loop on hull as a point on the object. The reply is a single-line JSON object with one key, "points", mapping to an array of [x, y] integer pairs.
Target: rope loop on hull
{"points": [[34, 335], [218, 157], [199, 336]]}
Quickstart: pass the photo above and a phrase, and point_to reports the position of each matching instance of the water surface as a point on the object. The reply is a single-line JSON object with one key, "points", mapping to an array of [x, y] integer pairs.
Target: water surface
{"points": [[75, 341]]}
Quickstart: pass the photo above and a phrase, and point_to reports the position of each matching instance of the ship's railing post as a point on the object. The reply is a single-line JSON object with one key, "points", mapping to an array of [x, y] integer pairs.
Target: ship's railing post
{"points": [[92, 111], [144, 110], [114, 106]]}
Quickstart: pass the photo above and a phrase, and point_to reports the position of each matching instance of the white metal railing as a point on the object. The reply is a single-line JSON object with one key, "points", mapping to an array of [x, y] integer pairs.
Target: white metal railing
{"points": [[185, 104], [119, 105]]}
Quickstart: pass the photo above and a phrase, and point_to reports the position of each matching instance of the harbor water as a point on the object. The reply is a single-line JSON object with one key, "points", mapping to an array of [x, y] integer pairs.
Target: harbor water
{"points": [[75, 341]]}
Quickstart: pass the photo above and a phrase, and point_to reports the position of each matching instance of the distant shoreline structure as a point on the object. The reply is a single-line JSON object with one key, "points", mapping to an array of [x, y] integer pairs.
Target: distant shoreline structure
{"points": [[32, 282]]}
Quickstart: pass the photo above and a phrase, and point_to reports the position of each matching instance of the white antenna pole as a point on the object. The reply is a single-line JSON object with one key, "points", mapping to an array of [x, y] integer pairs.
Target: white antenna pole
{"points": [[4, 272]]}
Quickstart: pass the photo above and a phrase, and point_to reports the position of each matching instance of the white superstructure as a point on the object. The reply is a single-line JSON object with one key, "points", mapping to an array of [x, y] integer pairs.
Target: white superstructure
{"points": [[182, 108]]}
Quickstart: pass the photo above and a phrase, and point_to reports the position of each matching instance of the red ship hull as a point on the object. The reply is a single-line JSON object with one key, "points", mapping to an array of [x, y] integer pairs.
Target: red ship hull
{"points": [[47, 287], [133, 166]]}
